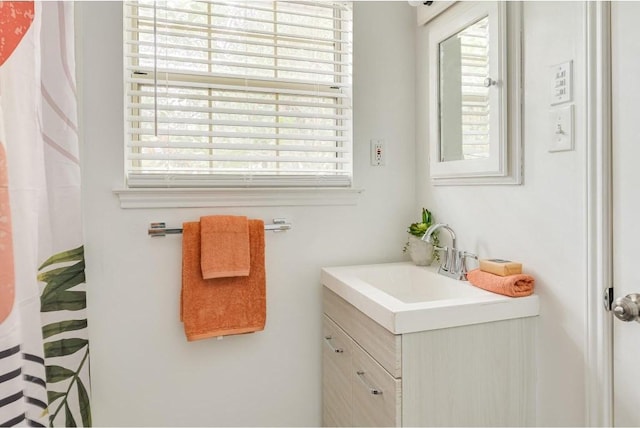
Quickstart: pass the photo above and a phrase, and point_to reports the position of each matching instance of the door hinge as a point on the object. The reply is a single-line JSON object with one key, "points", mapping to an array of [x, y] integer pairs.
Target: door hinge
{"points": [[608, 298]]}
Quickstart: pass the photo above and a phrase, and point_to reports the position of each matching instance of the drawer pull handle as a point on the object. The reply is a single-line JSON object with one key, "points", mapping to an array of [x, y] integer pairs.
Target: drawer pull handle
{"points": [[372, 390], [336, 350]]}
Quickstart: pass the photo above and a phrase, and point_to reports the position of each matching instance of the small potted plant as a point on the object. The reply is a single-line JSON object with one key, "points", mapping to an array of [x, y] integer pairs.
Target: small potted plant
{"points": [[421, 252]]}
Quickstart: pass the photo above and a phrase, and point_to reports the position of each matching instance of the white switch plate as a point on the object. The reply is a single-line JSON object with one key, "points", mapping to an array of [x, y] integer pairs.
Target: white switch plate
{"points": [[561, 83], [561, 129]]}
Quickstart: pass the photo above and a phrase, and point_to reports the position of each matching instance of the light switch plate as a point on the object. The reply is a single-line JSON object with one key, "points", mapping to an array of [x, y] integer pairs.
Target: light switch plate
{"points": [[561, 125], [561, 83]]}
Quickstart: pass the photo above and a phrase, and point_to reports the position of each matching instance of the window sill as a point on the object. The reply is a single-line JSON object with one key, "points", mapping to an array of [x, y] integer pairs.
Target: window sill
{"points": [[259, 197]]}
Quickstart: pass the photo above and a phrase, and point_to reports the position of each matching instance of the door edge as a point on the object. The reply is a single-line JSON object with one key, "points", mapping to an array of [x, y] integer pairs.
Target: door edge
{"points": [[599, 334]]}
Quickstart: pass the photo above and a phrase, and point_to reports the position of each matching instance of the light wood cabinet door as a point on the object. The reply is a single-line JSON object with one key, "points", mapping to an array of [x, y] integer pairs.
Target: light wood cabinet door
{"points": [[376, 394], [337, 351]]}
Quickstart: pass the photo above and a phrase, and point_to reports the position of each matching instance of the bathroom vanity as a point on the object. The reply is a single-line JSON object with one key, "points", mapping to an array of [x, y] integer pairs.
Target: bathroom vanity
{"points": [[404, 346]]}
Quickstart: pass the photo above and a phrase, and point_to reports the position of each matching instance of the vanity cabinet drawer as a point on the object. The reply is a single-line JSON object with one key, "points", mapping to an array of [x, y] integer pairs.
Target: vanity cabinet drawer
{"points": [[337, 351], [377, 396], [356, 390], [384, 346]]}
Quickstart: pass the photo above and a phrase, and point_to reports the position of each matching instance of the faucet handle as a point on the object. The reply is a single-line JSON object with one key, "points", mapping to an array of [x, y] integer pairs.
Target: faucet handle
{"points": [[465, 254], [463, 261], [444, 261]]}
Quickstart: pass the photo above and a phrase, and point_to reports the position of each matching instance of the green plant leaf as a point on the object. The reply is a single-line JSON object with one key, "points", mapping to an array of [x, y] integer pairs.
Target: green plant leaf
{"points": [[69, 416], [54, 395], [62, 279], [60, 348], [85, 405], [62, 326], [66, 256], [64, 300], [58, 374], [419, 229]]}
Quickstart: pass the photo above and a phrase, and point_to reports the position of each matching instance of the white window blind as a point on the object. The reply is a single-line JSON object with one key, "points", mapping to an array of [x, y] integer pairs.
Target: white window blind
{"points": [[474, 48], [238, 94]]}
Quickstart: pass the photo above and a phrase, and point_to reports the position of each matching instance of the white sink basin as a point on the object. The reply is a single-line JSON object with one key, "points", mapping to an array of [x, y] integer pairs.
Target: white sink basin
{"points": [[405, 298]]}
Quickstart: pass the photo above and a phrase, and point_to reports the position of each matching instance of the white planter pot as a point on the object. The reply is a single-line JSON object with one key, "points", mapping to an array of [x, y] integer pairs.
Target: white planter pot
{"points": [[420, 251]]}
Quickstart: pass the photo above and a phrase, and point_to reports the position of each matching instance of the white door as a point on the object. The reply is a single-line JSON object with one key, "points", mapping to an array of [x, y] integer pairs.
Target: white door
{"points": [[625, 26]]}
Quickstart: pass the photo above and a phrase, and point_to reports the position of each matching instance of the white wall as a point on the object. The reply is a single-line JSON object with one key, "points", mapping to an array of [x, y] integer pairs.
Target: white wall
{"points": [[541, 223], [145, 373], [143, 370]]}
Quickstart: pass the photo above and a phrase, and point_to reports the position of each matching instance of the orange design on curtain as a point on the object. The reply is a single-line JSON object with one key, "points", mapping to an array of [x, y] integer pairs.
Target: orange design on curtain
{"points": [[15, 19], [7, 277]]}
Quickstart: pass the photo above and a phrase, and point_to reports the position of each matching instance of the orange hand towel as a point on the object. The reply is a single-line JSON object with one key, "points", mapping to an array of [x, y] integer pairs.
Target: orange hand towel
{"points": [[513, 285], [222, 306], [224, 246]]}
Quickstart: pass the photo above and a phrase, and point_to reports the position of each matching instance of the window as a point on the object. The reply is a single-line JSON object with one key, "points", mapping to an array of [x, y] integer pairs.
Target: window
{"points": [[238, 94]]}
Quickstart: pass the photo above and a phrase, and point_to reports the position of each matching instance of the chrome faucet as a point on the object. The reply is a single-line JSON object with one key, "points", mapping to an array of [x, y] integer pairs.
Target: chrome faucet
{"points": [[454, 262]]}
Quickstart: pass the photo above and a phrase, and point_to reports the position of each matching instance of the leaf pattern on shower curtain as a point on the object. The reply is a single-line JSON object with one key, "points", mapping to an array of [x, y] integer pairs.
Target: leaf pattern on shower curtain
{"points": [[66, 347]]}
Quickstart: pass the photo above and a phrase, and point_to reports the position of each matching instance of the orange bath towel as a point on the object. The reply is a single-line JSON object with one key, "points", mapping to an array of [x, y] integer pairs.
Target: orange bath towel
{"points": [[222, 306], [224, 246], [513, 285]]}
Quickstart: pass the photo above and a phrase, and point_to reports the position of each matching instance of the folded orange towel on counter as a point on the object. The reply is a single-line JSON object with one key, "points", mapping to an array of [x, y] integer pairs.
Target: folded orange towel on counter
{"points": [[222, 306], [513, 285], [224, 246]]}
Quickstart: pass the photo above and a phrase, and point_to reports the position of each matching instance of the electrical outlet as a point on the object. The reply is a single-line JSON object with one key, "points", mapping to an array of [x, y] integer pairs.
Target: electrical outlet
{"points": [[378, 154]]}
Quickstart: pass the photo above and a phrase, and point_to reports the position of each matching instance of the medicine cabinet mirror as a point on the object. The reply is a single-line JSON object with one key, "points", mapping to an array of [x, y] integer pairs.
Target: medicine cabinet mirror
{"points": [[474, 94]]}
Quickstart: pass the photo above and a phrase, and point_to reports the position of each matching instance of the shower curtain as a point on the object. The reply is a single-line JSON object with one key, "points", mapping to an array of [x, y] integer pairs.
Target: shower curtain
{"points": [[44, 348]]}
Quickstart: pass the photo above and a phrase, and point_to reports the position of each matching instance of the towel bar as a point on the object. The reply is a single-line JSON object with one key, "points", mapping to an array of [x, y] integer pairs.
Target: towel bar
{"points": [[160, 229]]}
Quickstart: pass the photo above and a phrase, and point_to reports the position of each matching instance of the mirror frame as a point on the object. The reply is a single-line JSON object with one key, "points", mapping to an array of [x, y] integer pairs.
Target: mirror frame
{"points": [[504, 164]]}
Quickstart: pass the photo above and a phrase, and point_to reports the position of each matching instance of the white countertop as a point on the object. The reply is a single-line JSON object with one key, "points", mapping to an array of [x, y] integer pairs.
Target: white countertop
{"points": [[405, 298]]}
